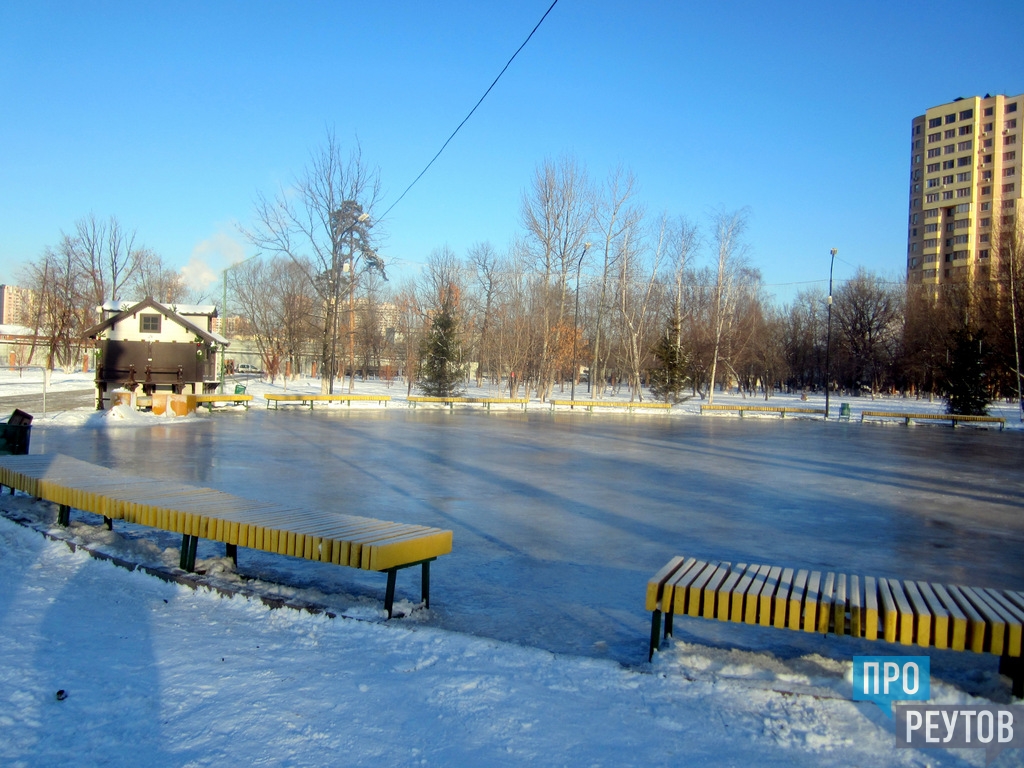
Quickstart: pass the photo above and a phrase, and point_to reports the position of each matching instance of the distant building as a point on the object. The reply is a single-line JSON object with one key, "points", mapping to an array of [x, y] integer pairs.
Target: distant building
{"points": [[965, 183], [160, 348], [14, 305]]}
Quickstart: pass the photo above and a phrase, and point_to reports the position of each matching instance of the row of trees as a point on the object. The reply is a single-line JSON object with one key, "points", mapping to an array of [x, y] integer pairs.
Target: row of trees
{"points": [[594, 286]]}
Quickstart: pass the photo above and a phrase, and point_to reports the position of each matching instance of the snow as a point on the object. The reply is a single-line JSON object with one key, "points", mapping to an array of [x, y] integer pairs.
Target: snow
{"points": [[159, 673]]}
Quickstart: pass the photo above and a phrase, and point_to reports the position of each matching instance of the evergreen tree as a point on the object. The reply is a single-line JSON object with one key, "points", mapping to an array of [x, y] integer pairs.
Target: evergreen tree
{"points": [[964, 385], [669, 377], [442, 372]]}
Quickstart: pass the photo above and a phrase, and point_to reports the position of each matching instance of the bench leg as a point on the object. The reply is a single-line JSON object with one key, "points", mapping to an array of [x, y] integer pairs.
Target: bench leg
{"points": [[231, 550], [425, 584], [655, 633], [64, 515], [389, 594], [188, 552], [1013, 667]]}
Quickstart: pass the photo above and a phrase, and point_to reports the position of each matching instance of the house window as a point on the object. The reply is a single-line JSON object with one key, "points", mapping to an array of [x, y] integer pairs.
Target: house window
{"points": [[149, 323]]}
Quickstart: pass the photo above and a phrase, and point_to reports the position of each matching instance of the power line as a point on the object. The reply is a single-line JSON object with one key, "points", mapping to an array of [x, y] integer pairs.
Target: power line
{"points": [[466, 118]]}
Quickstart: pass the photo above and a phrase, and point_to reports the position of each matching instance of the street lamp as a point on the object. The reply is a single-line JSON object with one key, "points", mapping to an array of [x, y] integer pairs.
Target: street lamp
{"points": [[575, 319], [828, 337]]}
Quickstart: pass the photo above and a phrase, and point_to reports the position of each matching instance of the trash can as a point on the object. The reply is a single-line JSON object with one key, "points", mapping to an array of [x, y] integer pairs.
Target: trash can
{"points": [[844, 411], [239, 389], [15, 434]]}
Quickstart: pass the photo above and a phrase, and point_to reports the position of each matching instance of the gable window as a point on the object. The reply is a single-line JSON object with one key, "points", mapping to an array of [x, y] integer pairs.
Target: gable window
{"points": [[149, 323]]}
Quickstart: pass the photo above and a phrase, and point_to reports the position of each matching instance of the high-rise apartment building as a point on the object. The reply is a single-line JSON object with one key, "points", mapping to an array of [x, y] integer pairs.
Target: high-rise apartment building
{"points": [[14, 305], [965, 187]]}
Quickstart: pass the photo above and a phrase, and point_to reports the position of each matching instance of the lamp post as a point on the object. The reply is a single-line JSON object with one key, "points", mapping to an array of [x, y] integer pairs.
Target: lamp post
{"points": [[575, 321], [828, 334]]}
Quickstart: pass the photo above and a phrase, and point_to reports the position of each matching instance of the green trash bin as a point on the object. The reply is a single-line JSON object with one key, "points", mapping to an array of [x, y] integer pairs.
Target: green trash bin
{"points": [[239, 389], [844, 411]]}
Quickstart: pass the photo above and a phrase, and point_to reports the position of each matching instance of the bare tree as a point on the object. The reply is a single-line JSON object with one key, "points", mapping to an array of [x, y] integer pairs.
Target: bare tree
{"points": [[153, 278], [325, 221], [106, 255], [731, 258], [557, 215], [61, 311]]}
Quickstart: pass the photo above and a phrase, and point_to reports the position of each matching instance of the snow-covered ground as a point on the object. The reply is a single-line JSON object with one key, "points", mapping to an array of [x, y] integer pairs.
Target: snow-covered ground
{"points": [[157, 673]]}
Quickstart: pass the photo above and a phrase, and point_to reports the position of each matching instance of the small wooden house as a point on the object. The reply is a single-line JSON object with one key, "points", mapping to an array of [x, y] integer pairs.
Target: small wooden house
{"points": [[156, 347]]}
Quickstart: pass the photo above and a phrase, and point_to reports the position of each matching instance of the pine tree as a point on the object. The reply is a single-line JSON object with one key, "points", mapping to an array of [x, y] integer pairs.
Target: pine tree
{"points": [[669, 377], [964, 380], [442, 372]]}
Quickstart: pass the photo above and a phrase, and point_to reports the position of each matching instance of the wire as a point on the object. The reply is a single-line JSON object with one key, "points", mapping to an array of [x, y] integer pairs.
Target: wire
{"points": [[466, 118]]}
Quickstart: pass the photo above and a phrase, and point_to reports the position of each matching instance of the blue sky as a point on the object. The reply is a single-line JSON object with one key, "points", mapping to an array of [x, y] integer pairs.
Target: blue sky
{"points": [[173, 117]]}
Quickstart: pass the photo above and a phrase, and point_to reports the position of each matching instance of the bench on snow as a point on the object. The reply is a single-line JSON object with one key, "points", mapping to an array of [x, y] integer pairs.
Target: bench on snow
{"points": [[303, 399], [414, 400], [210, 400], [907, 612], [320, 535], [955, 418], [590, 405], [781, 410]]}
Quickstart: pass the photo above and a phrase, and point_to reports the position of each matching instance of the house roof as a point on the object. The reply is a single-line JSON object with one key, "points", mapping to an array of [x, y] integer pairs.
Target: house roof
{"points": [[150, 303]]}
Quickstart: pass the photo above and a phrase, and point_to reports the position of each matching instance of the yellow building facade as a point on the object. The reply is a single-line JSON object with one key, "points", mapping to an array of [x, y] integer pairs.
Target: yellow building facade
{"points": [[965, 187]]}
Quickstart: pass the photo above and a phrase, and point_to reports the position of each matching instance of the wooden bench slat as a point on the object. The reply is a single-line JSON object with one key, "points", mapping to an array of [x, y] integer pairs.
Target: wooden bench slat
{"points": [[839, 605], [939, 613], [995, 620], [681, 589], [780, 603], [825, 602], [736, 591], [922, 615], [677, 604], [711, 594], [657, 583], [975, 623], [811, 602], [1014, 620], [767, 598], [753, 594], [796, 599], [906, 615], [856, 599]]}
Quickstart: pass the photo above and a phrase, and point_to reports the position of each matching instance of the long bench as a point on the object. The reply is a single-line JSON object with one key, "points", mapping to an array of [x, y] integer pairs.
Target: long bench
{"points": [[415, 400], [308, 398], [319, 535], [781, 410], [905, 612], [590, 405], [954, 418], [211, 400]]}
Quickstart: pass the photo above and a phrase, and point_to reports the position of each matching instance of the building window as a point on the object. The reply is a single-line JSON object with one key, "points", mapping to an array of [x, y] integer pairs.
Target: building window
{"points": [[963, 161], [986, 206], [1011, 107], [961, 239], [961, 224], [149, 323], [951, 118], [983, 254], [963, 208], [1008, 203], [1007, 188], [932, 167], [935, 122], [917, 129], [965, 176], [1010, 140], [934, 152], [967, 114], [985, 222], [949, 149], [931, 197], [983, 238], [988, 111], [964, 146], [932, 183], [963, 192], [948, 165], [959, 255], [1011, 171], [931, 213], [1009, 156], [917, 159], [949, 134], [966, 130], [947, 179], [913, 246], [986, 190], [931, 227], [1010, 124], [948, 195], [932, 242], [933, 137]]}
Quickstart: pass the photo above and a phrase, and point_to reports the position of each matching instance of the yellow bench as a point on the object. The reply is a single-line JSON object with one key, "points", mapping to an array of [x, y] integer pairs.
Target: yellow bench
{"points": [[955, 418], [210, 400], [590, 405], [906, 612], [451, 401], [303, 399], [320, 535], [781, 410]]}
